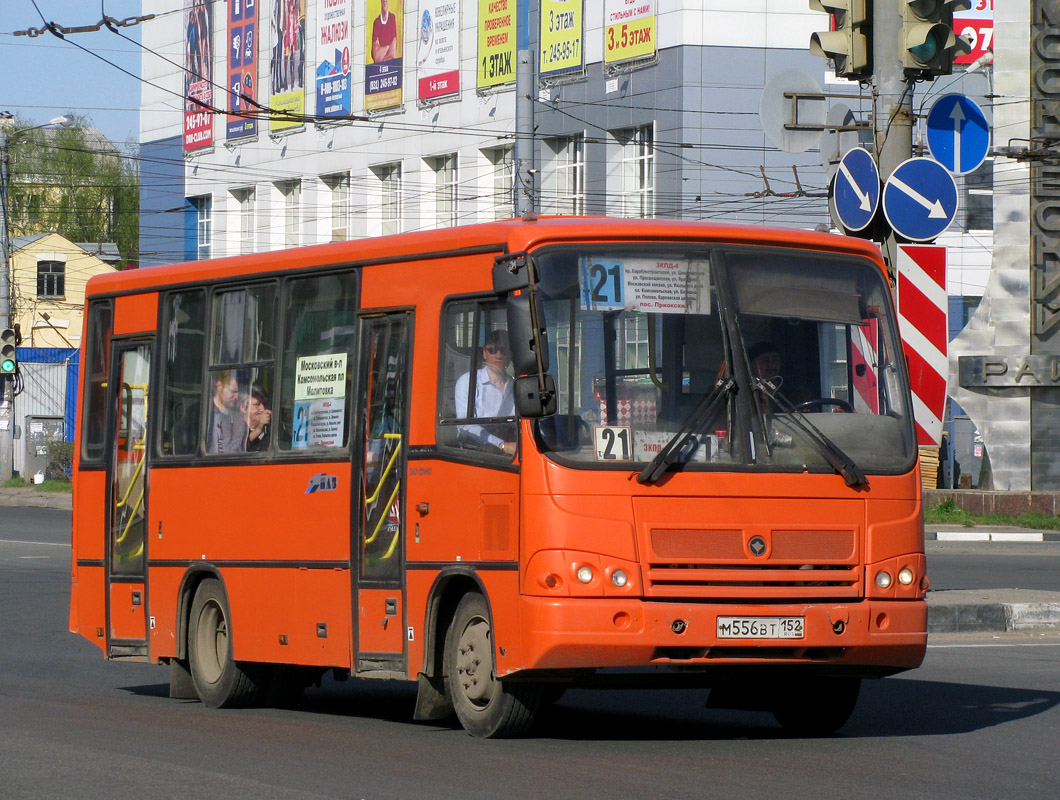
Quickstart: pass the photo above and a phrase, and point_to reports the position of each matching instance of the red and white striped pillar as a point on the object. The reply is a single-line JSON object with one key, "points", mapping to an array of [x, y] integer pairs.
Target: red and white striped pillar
{"points": [[922, 319]]}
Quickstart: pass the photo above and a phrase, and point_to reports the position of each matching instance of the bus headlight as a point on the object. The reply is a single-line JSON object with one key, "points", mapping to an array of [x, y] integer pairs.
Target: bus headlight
{"points": [[584, 574], [905, 576], [883, 579], [619, 578]]}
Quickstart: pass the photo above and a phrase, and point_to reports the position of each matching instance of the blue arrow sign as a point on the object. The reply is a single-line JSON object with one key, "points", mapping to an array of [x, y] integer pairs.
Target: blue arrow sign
{"points": [[857, 189], [958, 134], [920, 199]]}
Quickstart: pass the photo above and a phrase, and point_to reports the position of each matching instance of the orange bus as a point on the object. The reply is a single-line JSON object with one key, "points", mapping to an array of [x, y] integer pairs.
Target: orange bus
{"points": [[503, 460]]}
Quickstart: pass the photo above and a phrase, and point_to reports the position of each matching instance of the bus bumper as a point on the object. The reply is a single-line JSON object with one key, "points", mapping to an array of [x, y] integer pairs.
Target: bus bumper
{"points": [[864, 637]]}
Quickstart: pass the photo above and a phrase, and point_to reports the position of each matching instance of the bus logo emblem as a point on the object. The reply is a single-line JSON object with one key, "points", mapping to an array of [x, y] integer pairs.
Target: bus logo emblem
{"points": [[322, 483], [757, 545]]}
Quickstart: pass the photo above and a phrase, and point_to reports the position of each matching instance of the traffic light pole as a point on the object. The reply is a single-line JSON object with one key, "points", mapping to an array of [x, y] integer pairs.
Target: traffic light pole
{"points": [[892, 119]]}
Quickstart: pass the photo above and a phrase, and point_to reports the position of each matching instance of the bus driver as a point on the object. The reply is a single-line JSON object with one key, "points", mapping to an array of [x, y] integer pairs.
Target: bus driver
{"points": [[493, 395]]}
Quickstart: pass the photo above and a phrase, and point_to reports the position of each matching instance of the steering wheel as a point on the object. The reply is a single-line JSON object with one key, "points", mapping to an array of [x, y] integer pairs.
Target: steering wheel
{"points": [[819, 404]]}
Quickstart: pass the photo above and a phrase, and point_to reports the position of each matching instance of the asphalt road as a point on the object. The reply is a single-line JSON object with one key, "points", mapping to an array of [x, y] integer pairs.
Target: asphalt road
{"points": [[981, 718]]}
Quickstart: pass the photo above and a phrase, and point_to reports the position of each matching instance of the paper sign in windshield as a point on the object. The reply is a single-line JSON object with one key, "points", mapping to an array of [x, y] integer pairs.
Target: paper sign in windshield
{"points": [[654, 286]]}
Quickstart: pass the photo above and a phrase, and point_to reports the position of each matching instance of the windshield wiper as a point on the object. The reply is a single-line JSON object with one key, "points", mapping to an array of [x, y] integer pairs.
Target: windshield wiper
{"points": [[675, 448], [833, 454]]}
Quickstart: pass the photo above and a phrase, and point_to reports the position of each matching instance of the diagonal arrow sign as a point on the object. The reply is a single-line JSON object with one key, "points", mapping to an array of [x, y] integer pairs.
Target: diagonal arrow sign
{"points": [[863, 197], [935, 209]]}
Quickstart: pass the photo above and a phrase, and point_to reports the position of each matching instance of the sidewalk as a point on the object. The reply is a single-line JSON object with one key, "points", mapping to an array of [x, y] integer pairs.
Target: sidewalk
{"points": [[957, 611], [31, 496]]}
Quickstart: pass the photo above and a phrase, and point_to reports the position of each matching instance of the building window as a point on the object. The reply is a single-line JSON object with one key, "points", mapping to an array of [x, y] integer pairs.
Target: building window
{"points": [[502, 161], [564, 189], [979, 198], [51, 279], [389, 177], [638, 171], [245, 198], [292, 211], [445, 204], [340, 205], [203, 226]]}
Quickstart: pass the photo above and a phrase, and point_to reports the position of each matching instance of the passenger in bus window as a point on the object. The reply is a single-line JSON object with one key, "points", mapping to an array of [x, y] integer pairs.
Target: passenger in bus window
{"points": [[228, 429], [493, 396], [258, 414]]}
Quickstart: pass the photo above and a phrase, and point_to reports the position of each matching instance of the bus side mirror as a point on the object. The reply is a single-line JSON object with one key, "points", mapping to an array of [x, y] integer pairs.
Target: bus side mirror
{"points": [[530, 401], [527, 334], [513, 272]]}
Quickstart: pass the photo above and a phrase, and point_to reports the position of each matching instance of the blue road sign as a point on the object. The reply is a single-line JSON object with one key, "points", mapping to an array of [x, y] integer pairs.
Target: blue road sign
{"points": [[857, 189], [958, 134], [920, 199]]}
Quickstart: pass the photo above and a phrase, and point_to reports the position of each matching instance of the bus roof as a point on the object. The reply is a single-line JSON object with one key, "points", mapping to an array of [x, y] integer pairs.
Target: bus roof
{"points": [[509, 235]]}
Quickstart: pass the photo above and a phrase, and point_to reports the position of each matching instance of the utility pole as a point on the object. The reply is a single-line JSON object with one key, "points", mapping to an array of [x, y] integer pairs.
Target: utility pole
{"points": [[892, 118], [525, 172], [7, 383]]}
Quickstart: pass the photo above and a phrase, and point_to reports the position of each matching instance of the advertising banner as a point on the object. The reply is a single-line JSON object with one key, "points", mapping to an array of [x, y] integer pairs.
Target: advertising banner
{"points": [[242, 68], [977, 25], [334, 27], [288, 62], [382, 69], [561, 36], [198, 76], [438, 57], [496, 43], [629, 30]]}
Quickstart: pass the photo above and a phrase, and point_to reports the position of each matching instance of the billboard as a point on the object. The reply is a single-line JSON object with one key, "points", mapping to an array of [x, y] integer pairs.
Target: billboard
{"points": [[561, 36], [438, 53], [198, 76], [629, 30], [496, 43], [382, 64], [976, 24], [334, 28], [242, 68], [287, 22]]}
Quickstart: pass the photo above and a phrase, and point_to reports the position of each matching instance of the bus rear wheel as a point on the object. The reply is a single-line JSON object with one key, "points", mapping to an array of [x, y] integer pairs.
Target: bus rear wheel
{"points": [[486, 707], [220, 682], [817, 706]]}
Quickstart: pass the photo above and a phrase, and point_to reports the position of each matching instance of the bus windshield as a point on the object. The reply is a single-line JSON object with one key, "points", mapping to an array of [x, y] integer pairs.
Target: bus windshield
{"points": [[722, 358]]}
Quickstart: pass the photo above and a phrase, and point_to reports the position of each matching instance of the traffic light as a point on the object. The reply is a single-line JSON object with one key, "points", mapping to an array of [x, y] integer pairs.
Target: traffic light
{"points": [[848, 44], [8, 356], [927, 43]]}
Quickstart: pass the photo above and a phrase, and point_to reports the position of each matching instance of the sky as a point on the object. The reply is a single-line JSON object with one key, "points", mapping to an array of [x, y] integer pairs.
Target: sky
{"points": [[44, 77]]}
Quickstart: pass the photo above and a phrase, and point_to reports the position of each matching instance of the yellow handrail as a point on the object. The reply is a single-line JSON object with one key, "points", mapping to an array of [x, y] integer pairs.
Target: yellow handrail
{"points": [[386, 471], [383, 517]]}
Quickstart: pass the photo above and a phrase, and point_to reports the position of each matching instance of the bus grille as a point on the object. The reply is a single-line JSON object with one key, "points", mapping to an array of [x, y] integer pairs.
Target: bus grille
{"points": [[722, 564]]}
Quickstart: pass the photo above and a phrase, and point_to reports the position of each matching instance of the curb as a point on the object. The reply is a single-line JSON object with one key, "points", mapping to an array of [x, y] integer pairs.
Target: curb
{"points": [[981, 535], [1001, 611]]}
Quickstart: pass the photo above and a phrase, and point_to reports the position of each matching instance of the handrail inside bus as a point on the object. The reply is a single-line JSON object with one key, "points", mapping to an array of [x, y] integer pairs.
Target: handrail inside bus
{"points": [[383, 517], [386, 471]]}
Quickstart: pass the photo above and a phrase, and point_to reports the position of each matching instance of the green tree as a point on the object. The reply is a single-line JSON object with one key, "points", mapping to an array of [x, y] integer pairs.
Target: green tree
{"points": [[75, 182]]}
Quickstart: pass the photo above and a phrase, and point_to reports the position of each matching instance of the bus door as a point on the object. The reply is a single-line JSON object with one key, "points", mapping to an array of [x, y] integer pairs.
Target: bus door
{"points": [[378, 572], [127, 500]]}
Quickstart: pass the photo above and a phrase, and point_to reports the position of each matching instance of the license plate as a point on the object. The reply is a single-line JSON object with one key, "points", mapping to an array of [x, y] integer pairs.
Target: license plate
{"points": [[760, 627]]}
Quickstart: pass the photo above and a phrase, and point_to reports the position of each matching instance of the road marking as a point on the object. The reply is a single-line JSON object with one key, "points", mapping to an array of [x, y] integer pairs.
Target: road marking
{"points": [[42, 544], [992, 644], [25, 558]]}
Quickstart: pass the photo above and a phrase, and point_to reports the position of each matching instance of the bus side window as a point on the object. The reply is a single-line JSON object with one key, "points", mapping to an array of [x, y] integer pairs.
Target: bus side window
{"points": [[184, 332], [97, 368], [241, 375], [470, 328], [319, 344]]}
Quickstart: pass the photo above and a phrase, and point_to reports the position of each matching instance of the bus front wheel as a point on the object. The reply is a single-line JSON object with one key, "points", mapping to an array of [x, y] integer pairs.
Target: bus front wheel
{"points": [[486, 707], [818, 706], [220, 682]]}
